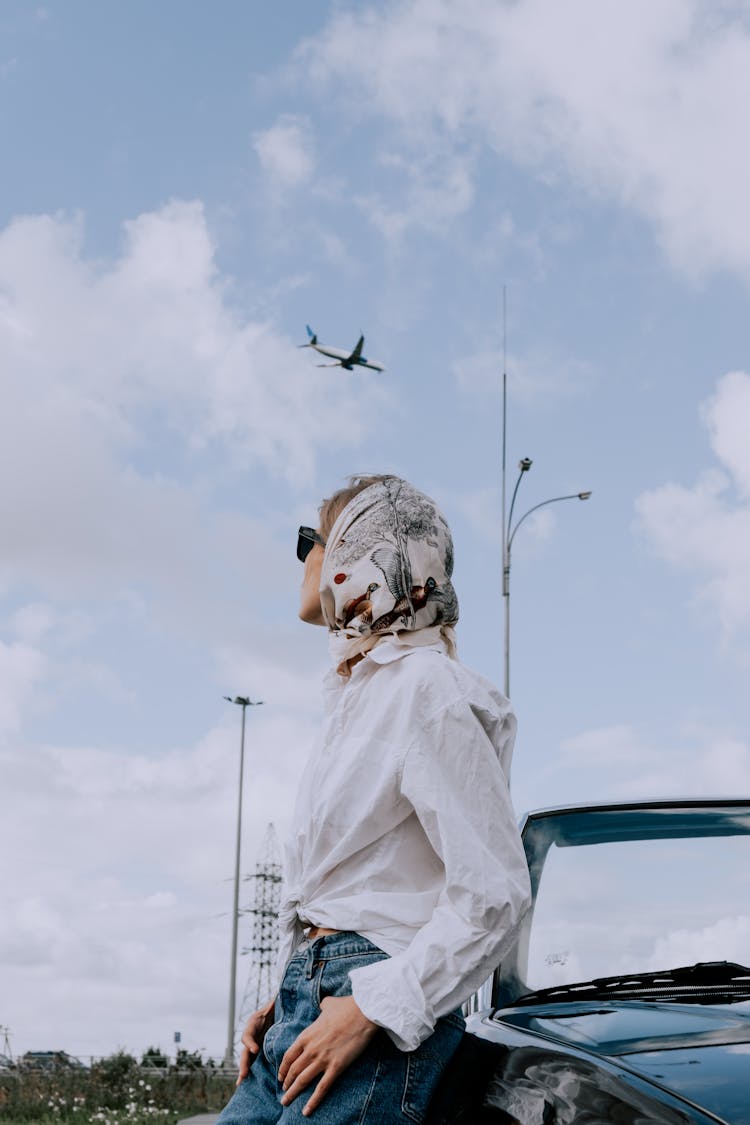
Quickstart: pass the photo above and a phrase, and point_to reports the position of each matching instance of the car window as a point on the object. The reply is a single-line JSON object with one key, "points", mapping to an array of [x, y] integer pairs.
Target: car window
{"points": [[640, 905]]}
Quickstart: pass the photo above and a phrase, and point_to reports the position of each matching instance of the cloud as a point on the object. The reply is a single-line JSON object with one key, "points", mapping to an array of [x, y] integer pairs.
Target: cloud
{"points": [[22, 668], [727, 416], [603, 747], [705, 529], [131, 388], [286, 151], [619, 762], [613, 99], [144, 417], [35, 622], [145, 959], [730, 935], [151, 337], [119, 894], [435, 188]]}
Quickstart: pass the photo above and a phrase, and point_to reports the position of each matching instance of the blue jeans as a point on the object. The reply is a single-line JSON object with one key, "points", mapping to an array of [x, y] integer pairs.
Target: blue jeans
{"points": [[384, 1086]]}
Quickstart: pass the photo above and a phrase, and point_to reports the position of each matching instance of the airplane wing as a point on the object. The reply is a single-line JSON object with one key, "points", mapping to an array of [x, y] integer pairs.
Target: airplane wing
{"points": [[354, 357]]}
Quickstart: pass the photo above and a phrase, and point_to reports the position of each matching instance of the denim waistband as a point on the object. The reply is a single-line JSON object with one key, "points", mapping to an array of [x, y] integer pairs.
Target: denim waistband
{"points": [[329, 946]]}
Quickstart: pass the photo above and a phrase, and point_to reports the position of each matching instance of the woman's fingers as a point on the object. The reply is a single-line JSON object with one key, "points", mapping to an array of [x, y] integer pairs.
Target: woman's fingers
{"points": [[325, 1049], [303, 1079], [252, 1038], [249, 1040], [320, 1091], [244, 1065], [302, 1064], [247, 1055], [290, 1056]]}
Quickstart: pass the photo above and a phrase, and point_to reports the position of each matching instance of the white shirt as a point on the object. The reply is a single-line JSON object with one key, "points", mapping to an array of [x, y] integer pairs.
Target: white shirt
{"points": [[404, 832]]}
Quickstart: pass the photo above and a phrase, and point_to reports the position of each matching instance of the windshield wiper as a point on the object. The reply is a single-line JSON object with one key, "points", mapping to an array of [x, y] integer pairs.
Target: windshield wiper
{"points": [[703, 982]]}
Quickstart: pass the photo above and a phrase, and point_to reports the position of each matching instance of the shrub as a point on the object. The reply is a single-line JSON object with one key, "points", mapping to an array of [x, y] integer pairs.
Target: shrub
{"points": [[115, 1091], [152, 1056]]}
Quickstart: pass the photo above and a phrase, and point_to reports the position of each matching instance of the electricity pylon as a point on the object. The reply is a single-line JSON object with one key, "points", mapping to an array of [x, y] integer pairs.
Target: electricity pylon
{"points": [[264, 945]]}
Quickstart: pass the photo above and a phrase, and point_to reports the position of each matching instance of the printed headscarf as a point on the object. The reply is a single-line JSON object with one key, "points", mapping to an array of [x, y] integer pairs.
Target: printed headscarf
{"points": [[387, 570]]}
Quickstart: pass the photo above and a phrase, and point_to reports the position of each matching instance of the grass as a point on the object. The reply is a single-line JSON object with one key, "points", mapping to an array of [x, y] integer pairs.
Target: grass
{"points": [[98, 1117], [111, 1093]]}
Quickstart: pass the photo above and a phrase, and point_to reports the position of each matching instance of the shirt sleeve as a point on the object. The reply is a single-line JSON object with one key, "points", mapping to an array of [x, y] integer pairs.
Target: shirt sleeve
{"points": [[453, 779]]}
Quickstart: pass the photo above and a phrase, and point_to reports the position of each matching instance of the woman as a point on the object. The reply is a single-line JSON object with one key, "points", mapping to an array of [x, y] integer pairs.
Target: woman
{"points": [[405, 878]]}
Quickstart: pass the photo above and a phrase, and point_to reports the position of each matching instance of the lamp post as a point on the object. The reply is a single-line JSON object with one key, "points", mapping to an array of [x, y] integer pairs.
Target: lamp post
{"points": [[508, 531], [243, 702], [509, 534]]}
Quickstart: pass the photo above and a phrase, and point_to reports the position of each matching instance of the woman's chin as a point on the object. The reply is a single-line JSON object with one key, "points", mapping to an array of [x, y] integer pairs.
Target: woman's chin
{"points": [[311, 615]]}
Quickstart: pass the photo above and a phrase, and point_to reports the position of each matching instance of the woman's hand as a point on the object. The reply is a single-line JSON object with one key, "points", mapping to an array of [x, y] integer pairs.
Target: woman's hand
{"points": [[252, 1037], [325, 1049]]}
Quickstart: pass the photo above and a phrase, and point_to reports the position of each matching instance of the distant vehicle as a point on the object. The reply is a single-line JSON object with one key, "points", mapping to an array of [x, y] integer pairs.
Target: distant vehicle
{"points": [[6, 1063], [626, 995], [50, 1060], [348, 360]]}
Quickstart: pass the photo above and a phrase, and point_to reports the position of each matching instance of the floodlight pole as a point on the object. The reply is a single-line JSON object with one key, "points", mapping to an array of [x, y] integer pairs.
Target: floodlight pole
{"points": [[244, 702]]}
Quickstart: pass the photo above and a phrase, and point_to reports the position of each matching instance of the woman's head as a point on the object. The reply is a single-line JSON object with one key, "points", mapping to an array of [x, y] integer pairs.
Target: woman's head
{"points": [[330, 510], [388, 560]]}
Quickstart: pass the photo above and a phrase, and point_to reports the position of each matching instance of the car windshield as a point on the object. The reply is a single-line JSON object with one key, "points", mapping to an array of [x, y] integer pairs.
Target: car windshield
{"points": [[615, 907]]}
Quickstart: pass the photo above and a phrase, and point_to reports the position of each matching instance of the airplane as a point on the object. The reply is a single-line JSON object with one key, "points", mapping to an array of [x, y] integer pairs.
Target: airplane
{"points": [[348, 360]]}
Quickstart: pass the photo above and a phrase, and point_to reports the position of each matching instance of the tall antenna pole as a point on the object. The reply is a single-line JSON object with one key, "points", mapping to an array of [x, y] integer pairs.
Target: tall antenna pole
{"points": [[506, 561]]}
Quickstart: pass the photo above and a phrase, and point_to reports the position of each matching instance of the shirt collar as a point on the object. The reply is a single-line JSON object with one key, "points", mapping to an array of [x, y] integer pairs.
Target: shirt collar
{"points": [[399, 645], [392, 647], [387, 651]]}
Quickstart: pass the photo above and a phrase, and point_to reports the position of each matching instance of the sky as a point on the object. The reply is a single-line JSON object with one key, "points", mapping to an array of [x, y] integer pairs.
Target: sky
{"points": [[184, 188]]}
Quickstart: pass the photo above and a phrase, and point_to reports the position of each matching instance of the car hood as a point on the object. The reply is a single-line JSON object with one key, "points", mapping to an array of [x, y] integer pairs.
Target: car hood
{"points": [[700, 1053]]}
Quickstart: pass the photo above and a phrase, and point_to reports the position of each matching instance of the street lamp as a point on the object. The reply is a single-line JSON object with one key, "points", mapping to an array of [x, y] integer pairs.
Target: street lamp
{"points": [[243, 702], [507, 529], [509, 534]]}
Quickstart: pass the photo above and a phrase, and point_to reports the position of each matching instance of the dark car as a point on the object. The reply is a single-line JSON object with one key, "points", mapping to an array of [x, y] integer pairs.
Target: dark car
{"points": [[50, 1060], [626, 997]]}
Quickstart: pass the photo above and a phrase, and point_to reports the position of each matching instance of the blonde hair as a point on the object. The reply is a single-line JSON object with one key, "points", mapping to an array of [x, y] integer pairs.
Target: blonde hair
{"points": [[331, 509]]}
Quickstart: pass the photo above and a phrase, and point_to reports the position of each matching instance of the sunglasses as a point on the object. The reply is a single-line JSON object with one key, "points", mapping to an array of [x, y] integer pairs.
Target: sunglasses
{"points": [[307, 537]]}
